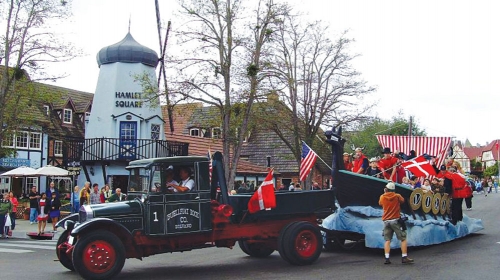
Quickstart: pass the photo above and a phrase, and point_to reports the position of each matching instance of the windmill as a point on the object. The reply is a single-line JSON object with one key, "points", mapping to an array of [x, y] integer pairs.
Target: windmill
{"points": [[162, 73]]}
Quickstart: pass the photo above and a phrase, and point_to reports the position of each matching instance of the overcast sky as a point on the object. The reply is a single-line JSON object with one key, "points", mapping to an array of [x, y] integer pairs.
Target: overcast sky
{"points": [[435, 60]]}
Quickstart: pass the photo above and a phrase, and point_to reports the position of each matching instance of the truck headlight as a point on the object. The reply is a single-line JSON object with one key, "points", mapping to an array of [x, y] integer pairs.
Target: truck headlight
{"points": [[85, 213]]}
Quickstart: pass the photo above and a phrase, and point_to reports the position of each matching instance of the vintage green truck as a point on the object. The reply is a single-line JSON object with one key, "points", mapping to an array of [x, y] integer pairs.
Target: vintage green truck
{"points": [[97, 240]]}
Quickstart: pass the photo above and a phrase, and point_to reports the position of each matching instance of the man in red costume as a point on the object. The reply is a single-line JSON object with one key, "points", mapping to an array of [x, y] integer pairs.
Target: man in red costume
{"points": [[361, 162], [459, 191], [388, 165]]}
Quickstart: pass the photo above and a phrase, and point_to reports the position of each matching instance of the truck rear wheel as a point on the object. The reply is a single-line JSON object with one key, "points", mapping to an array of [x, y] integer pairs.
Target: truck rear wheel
{"points": [[63, 258], [281, 244], [301, 243], [255, 250], [98, 255]]}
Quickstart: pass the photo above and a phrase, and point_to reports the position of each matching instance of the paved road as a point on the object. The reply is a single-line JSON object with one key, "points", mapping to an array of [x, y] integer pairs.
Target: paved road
{"points": [[473, 257]]}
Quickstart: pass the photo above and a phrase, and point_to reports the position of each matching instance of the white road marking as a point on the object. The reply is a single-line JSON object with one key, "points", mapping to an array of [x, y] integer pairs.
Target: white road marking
{"points": [[30, 246], [15, 251], [38, 242]]}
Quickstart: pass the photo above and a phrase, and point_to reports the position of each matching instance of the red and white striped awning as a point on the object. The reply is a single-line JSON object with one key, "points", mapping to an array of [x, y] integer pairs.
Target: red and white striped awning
{"points": [[434, 146]]}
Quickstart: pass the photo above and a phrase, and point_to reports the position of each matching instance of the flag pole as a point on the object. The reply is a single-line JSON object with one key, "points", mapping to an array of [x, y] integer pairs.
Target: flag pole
{"points": [[325, 163]]}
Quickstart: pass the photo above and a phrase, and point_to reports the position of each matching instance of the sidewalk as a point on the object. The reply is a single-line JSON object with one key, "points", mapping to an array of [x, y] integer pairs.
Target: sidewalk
{"points": [[23, 227]]}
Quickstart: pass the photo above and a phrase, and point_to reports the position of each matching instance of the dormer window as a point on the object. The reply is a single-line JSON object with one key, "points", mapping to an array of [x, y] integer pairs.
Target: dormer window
{"points": [[46, 109], [68, 116], [194, 132], [216, 133]]}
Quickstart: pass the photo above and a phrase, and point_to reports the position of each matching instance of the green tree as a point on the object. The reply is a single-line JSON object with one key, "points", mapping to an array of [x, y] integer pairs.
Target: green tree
{"points": [[491, 171], [28, 49]]}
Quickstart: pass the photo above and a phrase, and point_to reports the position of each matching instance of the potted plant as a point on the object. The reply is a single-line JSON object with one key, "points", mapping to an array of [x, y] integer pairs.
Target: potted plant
{"points": [[24, 208]]}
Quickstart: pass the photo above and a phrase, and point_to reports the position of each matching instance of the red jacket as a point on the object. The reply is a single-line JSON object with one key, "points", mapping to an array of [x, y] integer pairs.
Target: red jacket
{"points": [[459, 186], [358, 163], [348, 165], [386, 164]]}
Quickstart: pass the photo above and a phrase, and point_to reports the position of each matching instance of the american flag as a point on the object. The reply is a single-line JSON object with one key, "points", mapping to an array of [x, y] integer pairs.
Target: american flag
{"points": [[435, 146], [307, 162], [209, 166]]}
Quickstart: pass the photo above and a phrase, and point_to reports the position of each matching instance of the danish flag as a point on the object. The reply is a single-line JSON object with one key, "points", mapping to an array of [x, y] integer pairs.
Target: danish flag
{"points": [[264, 197], [419, 166]]}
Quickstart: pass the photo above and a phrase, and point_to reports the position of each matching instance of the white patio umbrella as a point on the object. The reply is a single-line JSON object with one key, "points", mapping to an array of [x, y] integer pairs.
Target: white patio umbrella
{"points": [[50, 170], [19, 172]]}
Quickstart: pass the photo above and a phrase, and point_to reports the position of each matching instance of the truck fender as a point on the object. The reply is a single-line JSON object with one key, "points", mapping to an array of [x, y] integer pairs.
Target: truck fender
{"points": [[103, 223], [73, 217]]}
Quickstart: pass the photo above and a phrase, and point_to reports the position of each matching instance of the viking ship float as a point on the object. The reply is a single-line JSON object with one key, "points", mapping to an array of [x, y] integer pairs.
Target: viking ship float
{"points": [[358, 216]]}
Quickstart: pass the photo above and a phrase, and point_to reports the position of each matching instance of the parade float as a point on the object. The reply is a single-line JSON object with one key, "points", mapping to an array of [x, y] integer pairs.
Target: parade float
{"points": [[358, 217]]}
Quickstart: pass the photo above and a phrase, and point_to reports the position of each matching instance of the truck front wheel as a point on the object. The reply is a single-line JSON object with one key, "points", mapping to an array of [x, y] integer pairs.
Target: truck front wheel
{"points": [[256, 250], [64, 259], [98, 255], [301, 243]]}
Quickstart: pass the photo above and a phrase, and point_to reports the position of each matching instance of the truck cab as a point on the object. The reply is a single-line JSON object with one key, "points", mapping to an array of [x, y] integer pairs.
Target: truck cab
{"points": [[167, 211]]}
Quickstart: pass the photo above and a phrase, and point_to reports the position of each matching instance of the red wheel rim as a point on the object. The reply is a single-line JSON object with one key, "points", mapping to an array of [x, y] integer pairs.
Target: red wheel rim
{"points": [[306, 243], [99, 256]]}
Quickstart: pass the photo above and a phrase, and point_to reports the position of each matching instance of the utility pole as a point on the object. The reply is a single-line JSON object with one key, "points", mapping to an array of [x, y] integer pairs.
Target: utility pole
{"points": [[410, 127]]}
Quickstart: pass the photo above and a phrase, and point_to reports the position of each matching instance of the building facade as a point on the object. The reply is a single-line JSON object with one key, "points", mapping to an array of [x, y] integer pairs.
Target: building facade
{"points": [[125, 124]]}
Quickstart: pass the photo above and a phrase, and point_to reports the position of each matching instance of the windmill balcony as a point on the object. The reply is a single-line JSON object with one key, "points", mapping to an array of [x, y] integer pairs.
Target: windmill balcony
{"points": [[116, 149]]}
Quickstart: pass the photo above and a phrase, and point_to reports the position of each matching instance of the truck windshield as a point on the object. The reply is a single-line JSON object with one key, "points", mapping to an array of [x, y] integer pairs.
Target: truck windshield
{"points": [[138, 180]]}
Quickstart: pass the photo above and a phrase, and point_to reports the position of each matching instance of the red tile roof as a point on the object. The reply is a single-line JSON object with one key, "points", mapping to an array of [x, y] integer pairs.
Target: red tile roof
{"points": [[473, 152]]}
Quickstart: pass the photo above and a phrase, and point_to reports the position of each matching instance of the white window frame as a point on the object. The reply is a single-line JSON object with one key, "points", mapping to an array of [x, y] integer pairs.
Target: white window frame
{"points": [[30, 182], [22, 137], [47, 109], [70, 121], [35, 144], [58, 148], [155, 132], [216, 132], [32, 140], [193, 131], [9, 142], [245, 138]]}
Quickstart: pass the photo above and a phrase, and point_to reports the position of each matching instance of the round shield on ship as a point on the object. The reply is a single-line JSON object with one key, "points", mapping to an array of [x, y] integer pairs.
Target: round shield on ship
{"points": [[416, 199], [427, 202], [444, 204], [436, 203]]}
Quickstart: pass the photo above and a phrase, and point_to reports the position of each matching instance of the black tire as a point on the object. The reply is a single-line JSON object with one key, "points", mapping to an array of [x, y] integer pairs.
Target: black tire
{"points": [[63, 258], [255, 250], [281, 245], [98, 255], [243, 247], [302, 243], [334, 243]]}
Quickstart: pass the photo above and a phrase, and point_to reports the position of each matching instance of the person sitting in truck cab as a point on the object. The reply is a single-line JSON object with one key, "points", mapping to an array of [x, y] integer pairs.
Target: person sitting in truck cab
{"points": [[169, 179], [186, 184]]}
